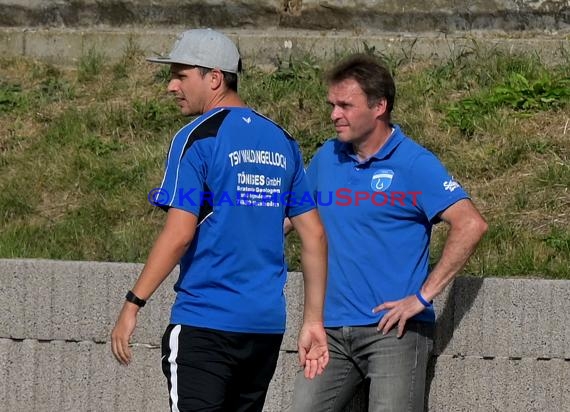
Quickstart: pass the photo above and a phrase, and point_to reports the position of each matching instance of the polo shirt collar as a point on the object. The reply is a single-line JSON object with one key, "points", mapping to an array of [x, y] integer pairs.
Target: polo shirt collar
{"points": [[387, 148]]}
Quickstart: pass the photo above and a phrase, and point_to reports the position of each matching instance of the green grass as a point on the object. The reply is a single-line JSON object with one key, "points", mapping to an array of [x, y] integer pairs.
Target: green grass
{"points": [[81, 147]]}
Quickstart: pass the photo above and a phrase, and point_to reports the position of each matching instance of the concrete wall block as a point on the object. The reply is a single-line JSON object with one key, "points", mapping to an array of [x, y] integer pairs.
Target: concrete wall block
{"points": [[29, 297], [565, 378], [12, 40], [496, 322], [446, 390], [516, 305], [497, 380], [548, 385], [47, 388], [521, 384], [5, 385], [68, 285], [537, 325], [76, 365], [12, 292], [130, 381], [157, 43], [53, 46], [444, 310], [294, 293], [559, 339], [38, 299], [93, 300], [478, 382], [22, 367], [155, 390], [104, 386], [468, 316], [280, 393]]}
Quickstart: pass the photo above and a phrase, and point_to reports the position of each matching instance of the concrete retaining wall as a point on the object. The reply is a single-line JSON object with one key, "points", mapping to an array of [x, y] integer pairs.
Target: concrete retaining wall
{"points": [[502, 344], [385, 15], [268, 32], [263, 48]]}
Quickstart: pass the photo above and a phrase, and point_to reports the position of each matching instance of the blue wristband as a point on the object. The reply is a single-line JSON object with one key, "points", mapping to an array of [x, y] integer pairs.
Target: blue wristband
{"points": [[422, 300]]}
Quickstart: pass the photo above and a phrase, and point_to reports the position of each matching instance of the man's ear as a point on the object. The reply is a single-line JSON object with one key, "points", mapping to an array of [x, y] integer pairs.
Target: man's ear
{"points": [[216, 79], [381, 107]]}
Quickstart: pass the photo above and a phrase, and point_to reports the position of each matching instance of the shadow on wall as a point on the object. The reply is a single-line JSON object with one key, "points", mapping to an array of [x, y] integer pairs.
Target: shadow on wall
{"points": [[456, 301], [460, 298]]}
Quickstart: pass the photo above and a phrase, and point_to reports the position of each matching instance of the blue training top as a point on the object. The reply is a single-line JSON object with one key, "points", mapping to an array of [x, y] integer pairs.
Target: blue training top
{"points": [[233, 167], [378, 217]]}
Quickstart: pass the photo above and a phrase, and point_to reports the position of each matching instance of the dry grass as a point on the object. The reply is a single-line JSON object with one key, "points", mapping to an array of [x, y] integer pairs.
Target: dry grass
{"points": [[81, 147]]}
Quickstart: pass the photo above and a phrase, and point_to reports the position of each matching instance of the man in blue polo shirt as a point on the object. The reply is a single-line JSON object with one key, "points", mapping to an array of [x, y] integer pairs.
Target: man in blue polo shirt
{"points": [[227, 173], [379, 193]]}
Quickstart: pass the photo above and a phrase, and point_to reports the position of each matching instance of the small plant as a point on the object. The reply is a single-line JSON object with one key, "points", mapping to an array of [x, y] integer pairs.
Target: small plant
{"points": [[131, 54], [162, 75], [11, 97], [517, 93], [90, 65]]}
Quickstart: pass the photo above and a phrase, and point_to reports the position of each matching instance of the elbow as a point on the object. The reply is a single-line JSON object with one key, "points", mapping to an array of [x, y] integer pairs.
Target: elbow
{"points": [[315, 239], [320, 235], [182, 241]]}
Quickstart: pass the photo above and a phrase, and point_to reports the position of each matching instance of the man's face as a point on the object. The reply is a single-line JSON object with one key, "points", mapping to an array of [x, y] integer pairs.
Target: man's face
{"points": [[189, 88], [353, 119]]}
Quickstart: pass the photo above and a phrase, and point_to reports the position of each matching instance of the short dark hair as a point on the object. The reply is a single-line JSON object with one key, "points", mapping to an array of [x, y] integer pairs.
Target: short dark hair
{"points": [[231, 79], [372, 75]]}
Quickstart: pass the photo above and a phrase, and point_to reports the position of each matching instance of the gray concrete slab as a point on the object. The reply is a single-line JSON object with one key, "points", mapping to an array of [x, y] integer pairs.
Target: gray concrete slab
{"points": [[48, 387], [104, 385], [74, 366], [294, 293], [516, 318], [64, 46], [444, 307], [280, 393], [537, 317], [468, 316], [559, 334], [565, 378], [21, 375], [495, 325], [445, 16], [12, 289], [5, 384]]}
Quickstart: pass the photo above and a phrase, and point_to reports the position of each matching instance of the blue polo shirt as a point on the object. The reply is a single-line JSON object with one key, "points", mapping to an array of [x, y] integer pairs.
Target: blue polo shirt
{"points": [[232, 167], [378, 215]]}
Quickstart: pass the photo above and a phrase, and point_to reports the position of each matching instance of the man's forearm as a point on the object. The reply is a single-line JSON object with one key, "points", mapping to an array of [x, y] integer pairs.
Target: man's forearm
{"points": [[314, 260], [162, 259], [169, 247]]}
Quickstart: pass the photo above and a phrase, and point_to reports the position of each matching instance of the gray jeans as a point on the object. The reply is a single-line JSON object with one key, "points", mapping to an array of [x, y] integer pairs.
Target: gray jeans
{"points": [[396, 369]]}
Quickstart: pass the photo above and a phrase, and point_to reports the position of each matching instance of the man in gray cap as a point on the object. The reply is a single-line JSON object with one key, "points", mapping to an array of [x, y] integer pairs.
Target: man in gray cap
{"points": [[231, 178]]}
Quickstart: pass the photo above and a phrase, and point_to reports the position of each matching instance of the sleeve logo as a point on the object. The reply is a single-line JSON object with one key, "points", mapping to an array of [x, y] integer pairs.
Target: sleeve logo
{"points": [[451, 185]]}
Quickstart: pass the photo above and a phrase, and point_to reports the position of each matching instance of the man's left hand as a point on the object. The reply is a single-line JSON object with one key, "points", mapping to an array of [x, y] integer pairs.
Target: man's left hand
{"points": [[399, 311]]}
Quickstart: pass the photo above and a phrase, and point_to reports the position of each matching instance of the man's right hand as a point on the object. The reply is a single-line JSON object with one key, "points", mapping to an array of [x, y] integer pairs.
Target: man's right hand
{"points": [[122, 332], [313, 349]]}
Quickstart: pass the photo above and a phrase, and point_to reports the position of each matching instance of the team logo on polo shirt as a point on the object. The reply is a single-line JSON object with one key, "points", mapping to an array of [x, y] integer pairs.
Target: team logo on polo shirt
{"points": [[382, 180]]}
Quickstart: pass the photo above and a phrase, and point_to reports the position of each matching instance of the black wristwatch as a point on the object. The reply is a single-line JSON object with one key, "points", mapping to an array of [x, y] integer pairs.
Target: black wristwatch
{"points": [[131, 297]]}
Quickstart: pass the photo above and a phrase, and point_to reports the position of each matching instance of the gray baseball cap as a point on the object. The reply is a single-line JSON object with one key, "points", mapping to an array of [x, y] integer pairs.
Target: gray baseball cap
{"points": [[203, 47]]}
